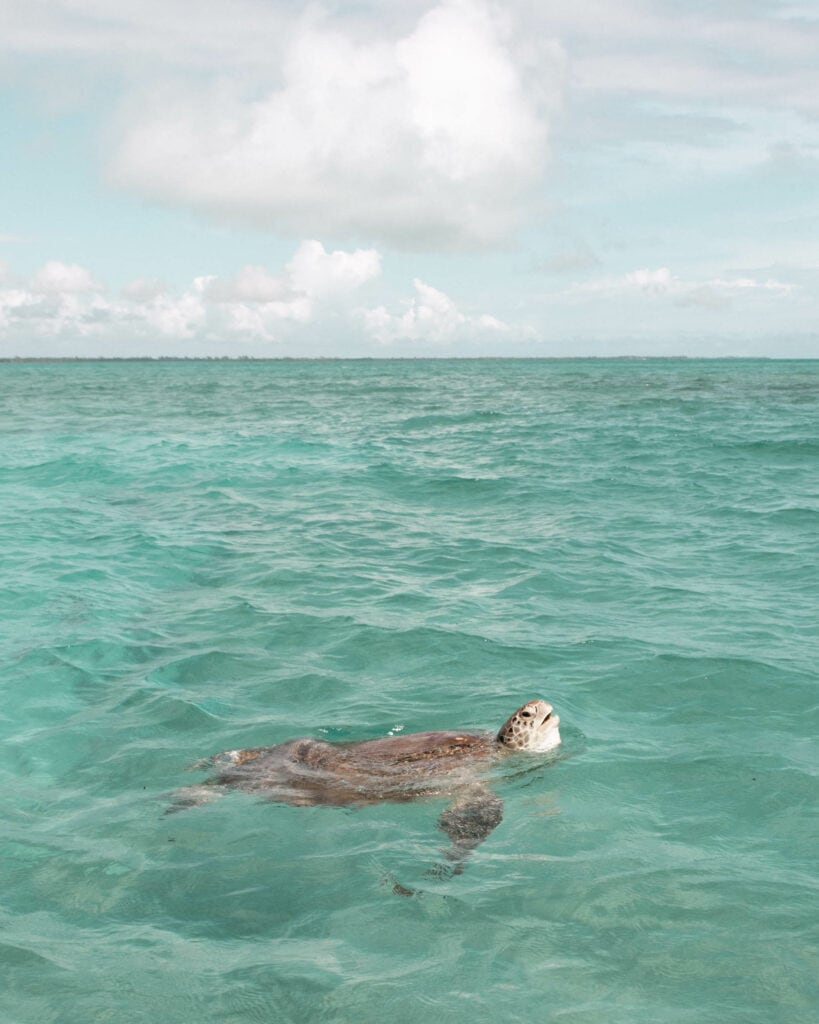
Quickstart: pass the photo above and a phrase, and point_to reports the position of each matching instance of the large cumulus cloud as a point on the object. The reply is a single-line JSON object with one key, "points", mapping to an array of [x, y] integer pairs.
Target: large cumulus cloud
{"points": [[434, 137]]}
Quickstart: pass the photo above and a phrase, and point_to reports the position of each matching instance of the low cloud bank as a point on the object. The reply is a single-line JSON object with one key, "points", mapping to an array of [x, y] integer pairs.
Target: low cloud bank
{"points": [[317, 298]]}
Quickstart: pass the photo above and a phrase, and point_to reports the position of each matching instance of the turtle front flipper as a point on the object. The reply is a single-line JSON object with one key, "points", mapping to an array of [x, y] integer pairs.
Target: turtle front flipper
{"points": [[468, 822], [193, 796]]}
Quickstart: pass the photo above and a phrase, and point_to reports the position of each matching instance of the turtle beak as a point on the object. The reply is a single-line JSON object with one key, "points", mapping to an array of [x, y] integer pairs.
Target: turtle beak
{"points": [[550, 720], [547, 734]]}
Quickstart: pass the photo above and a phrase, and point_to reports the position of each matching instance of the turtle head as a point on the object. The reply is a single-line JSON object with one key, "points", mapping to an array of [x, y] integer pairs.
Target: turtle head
{"points": [[532, 727]]}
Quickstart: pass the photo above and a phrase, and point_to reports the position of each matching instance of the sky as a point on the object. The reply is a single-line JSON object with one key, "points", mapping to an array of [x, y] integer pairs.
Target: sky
{"points": [[461, 178]]}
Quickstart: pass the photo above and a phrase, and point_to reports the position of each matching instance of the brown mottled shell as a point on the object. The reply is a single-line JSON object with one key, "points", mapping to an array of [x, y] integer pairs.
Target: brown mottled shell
{"points": [[309, 771]]}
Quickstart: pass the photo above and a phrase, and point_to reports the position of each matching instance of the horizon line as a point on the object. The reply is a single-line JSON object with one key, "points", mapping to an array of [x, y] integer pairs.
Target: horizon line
{"points": [[396, 359]]}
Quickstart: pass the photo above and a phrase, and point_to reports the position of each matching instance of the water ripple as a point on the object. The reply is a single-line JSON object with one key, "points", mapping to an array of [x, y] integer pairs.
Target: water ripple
{"points": [[201, 557]]}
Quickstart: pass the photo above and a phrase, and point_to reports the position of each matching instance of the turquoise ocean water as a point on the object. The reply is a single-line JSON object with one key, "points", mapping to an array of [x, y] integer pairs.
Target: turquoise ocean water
{"points": [[200, 556]]}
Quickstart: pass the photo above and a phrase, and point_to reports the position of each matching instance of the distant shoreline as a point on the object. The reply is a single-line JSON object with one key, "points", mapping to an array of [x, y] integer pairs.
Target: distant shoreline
{"points": [[403, 359]]}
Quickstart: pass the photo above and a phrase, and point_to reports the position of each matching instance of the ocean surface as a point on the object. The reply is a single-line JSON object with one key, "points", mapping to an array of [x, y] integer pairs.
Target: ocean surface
{"points": [[206, 555]]}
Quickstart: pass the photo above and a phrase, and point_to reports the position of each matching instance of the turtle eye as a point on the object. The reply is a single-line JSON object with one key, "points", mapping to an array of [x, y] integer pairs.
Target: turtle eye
{"points": [[526, 714]]}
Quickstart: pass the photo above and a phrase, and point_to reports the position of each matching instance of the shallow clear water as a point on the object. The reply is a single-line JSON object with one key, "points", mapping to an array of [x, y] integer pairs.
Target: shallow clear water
{"points": [[200, 556]]}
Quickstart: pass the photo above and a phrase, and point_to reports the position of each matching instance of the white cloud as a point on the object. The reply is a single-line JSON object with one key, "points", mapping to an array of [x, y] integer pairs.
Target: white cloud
{"points": [[315, 287], [437, 137], [312, 275], [431, 316], [318, 273], [182, 316], [659, 280], [728, 54], [143, 289], [55, 276], [251, 284], [227, 32], [258, 303], [714, 292]]}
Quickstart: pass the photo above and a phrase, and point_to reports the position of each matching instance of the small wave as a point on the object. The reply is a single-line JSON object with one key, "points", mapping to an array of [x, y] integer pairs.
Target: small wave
{"points": [[431, 420]]}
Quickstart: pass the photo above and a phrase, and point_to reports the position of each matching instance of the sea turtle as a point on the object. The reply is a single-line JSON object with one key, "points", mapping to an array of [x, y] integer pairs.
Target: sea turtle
{"points": [[307, 772]]}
